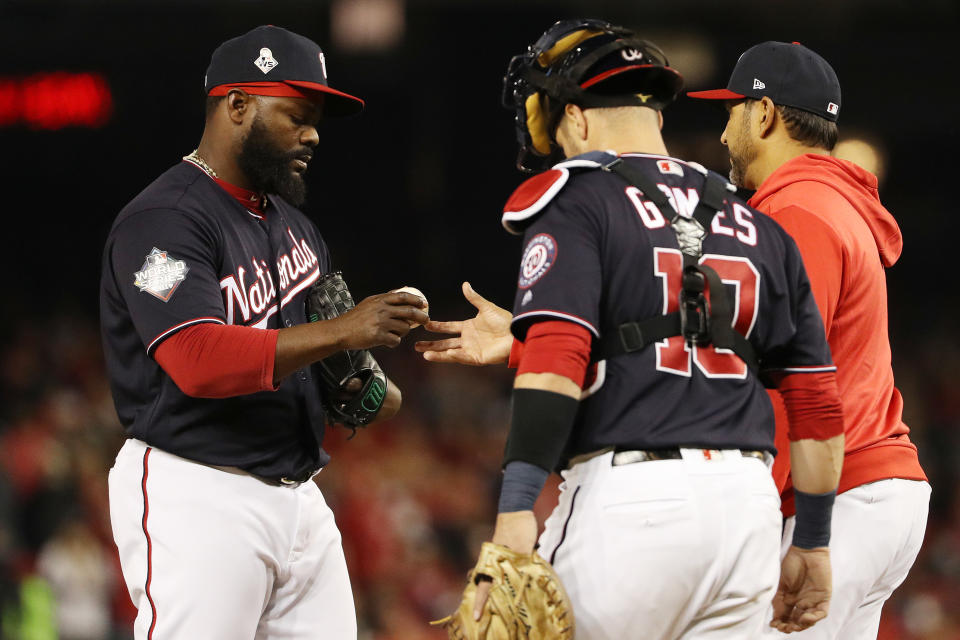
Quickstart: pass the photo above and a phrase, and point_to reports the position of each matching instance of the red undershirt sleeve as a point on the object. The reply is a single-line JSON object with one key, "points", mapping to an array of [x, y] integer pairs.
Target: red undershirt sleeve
{"points": [[219, 361], [556, 346], [516, 352], [812, 401]]}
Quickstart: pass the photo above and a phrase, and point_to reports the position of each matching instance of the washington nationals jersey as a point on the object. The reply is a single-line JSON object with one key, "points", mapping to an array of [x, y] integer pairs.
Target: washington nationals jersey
{"points": [[183, 252], [600, 254]]}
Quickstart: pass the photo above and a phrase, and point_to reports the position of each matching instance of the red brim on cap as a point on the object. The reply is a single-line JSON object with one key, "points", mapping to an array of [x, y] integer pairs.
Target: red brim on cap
{"points": [[342, 104], [715, 94]]}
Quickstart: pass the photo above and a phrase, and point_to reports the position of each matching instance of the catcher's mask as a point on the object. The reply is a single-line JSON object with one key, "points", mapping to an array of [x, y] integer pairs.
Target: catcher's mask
{"points": [[590, 63]]}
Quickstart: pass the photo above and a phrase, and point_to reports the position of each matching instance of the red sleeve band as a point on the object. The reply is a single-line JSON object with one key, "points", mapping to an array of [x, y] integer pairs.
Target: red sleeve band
{"points": [[516, 352], [556, 346], [812, 401], [219, 361]]}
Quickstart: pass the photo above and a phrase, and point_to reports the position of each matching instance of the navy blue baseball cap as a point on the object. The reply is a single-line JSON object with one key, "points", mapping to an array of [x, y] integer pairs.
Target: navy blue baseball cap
{"points": [[789, 74], [271, 61]]}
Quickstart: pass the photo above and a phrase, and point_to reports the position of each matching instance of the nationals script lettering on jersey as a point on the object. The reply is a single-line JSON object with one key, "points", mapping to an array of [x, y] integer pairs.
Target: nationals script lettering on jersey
{"points": [[255, 298]]}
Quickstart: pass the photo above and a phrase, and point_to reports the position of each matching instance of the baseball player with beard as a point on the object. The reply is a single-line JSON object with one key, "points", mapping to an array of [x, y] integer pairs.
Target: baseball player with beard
{"points": [[651, 303], [221, 533], [784, 102]]}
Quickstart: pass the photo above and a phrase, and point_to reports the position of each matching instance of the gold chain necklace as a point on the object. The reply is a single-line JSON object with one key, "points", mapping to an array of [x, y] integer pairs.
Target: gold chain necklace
{"points": [[194, 157]]}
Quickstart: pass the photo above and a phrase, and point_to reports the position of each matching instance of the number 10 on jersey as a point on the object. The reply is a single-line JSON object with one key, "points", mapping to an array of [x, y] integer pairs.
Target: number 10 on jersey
{"points": [[673, 354]]}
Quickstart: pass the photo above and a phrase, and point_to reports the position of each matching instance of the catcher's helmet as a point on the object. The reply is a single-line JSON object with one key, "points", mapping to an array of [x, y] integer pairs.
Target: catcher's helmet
{"points": [[590, 63]]}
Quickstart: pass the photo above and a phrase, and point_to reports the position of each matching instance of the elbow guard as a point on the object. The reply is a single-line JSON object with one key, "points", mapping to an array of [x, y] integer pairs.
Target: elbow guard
{"points": [[541, 425]]}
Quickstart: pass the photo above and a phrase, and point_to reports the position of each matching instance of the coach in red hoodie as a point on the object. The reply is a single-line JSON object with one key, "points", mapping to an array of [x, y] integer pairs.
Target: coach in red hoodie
{"points": [[783, 102]]}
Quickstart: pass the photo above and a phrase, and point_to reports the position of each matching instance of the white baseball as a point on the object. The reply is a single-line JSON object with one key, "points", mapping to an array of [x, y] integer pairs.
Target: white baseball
{"points": [[418, 293]]}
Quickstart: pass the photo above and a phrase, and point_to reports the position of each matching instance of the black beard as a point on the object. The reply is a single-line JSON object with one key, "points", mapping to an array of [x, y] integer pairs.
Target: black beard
{"points": [[740, 159], [737, 170], [268, 167], [744, 154]]}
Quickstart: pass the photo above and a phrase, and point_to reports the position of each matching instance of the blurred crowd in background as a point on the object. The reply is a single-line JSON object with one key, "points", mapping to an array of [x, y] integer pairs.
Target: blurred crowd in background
{"points": [[414, 497], [98, 97]]}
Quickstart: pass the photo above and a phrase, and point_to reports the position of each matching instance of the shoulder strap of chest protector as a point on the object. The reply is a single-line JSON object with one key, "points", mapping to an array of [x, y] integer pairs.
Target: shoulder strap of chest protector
{"points": [[698, 320]]}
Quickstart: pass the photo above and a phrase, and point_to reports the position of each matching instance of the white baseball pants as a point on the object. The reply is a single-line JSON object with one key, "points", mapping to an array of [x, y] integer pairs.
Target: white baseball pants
{"points": [[667, 549], [876, 535], [220, 555]]}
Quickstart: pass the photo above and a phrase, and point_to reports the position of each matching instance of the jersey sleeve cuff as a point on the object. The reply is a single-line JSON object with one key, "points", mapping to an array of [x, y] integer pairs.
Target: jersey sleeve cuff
{"points": [[172, 330], [522, 322]]}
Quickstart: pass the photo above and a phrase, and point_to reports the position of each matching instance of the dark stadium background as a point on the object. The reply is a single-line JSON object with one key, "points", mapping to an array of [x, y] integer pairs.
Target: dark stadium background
{"points": [[409, 193]]}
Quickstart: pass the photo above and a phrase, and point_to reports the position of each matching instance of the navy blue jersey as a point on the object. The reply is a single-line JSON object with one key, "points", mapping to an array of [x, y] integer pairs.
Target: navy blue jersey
{"points": [[599, 254], [183, 252]]}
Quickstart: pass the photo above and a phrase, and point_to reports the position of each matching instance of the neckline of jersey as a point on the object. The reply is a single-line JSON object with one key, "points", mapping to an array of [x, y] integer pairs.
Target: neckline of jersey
{"points": [[255, 203], [640, 154]]}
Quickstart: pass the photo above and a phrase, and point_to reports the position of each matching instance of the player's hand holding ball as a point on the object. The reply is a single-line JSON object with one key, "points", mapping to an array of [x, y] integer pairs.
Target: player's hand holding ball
{"points": [[418, 293], [381, 320]]}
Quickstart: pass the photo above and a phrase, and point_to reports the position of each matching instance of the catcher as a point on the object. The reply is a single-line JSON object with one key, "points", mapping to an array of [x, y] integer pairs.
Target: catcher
{"points": [[652, 306]]}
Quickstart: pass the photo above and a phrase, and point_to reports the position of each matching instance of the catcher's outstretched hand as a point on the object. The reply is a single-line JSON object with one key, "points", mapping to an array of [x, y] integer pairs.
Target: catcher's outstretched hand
{"points": [[803, 597], [483, 339]]}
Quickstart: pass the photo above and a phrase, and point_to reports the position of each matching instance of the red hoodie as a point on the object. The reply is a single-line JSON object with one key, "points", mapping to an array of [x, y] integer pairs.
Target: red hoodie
{"points": [[832, 209]]}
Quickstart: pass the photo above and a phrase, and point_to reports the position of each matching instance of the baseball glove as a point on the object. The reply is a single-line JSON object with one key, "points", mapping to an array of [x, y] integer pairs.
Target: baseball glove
{"points": [[328, 298], [526, 601]]}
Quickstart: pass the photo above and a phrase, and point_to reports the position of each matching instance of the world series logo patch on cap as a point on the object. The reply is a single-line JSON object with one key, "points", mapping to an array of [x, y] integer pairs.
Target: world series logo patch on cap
{"points": [[266, 61], [160, 274], [538, 257]]}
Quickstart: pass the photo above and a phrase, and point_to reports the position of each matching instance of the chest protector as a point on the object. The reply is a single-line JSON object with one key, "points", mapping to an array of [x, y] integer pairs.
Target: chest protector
{"points": [[700, 320]]}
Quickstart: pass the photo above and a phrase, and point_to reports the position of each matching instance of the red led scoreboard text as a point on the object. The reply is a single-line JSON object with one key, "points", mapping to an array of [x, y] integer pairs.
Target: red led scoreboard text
{"points": [[55, 100]]}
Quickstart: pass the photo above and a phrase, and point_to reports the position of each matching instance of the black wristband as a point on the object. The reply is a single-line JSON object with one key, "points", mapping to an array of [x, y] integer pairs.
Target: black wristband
{"points": [[541, 425], [812, 525]]}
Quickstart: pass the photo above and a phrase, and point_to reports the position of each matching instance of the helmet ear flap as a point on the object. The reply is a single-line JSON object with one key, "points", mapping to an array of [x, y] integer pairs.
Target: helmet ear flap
{"points": [[538, 124]]}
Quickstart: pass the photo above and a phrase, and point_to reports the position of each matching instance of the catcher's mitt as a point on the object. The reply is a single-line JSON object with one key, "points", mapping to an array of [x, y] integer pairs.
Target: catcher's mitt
{"points": [[327, 299], [526, 600]]}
